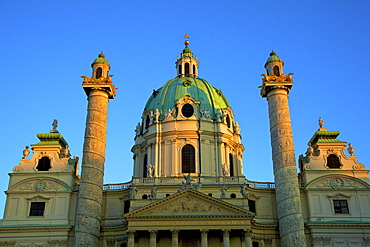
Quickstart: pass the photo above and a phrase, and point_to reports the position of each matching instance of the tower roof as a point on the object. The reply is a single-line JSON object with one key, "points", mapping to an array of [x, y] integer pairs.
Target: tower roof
{"points": [[100, 59], [273, 57]]}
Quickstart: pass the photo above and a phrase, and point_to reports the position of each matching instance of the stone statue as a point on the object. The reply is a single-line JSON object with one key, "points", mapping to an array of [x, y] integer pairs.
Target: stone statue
{"points": [[218, 116], [205, 114], [138, 129], [350, 149], [157, 114], [133, 192], [199, 185], [170, 113], [187, 181], [321, 122], [243, 191], [237, 128], [225, 170], [55, 125], [223, 191], [150, 169], [153, 192]]}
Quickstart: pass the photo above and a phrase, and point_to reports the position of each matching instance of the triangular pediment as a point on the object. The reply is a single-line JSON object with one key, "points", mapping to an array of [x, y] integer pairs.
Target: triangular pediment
{"points": [[191, 203]]}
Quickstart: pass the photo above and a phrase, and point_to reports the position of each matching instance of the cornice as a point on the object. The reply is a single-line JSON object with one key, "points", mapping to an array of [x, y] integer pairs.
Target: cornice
{"points": [[339, 224], [34, 228], [152, 217]]}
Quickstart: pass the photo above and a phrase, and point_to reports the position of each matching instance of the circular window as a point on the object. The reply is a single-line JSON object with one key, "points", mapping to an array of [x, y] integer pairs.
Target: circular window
{"points": [[232, 195], [187, 110]]}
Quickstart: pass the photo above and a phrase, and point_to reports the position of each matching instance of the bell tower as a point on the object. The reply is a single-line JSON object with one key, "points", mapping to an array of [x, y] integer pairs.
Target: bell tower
{"points": [[276, 87], [187, 65], [99, 90]]}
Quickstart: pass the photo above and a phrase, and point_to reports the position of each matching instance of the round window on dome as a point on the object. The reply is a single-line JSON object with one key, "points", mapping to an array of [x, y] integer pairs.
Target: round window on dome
{"points": [[187, 110]]}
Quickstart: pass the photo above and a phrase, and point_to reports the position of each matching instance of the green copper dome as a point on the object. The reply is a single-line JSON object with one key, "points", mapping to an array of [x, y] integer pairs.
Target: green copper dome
{"points": [[101, 59], [273, 57], [164, 98]]}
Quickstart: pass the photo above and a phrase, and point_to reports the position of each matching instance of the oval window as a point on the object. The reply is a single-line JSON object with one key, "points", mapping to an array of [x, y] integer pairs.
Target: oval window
{"points": [[187, 110]]}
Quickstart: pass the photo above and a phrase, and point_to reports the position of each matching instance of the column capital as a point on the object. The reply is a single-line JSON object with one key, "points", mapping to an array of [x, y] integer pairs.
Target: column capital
{"points": [[247, 232], [204, 231], [131, 232], [226, 232]]}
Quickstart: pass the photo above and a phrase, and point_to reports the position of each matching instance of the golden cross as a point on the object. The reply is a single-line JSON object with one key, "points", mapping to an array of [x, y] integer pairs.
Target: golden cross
{"points": [[186, 36]]}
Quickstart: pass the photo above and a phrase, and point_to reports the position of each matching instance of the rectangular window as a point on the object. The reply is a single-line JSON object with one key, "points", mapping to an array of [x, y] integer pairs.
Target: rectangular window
{"points": [[37, 209], [340, 206], [252, 206]]}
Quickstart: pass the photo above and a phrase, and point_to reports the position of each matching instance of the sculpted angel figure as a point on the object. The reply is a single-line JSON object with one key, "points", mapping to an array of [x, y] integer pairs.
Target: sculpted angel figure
{"points": [[133, 192], [223, 191], [157, 114], [153, 192], [243, 191], [138, 129], [150, 168], [225, 170]]}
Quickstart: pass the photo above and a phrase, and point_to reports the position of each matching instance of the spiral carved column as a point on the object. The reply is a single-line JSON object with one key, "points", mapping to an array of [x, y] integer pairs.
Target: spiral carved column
{"points": [[90, 194], [291, 224]]}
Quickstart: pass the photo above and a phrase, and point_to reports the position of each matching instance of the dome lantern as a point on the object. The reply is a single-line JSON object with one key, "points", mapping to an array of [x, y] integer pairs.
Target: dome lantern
{"points": [[187, 65]]}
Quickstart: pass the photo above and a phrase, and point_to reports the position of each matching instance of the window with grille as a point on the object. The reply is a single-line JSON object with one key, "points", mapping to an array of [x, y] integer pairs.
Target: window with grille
{"points": [[341, 206], [37, 209], [188, 159]]}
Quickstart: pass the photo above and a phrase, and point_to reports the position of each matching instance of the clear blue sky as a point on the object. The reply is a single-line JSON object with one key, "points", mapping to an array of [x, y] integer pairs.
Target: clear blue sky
{"points": [[48, 45]]}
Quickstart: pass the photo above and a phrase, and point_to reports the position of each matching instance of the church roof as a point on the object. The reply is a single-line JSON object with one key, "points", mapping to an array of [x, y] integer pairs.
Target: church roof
{"points": [[211, 98], [325, 137], [51, 139]]}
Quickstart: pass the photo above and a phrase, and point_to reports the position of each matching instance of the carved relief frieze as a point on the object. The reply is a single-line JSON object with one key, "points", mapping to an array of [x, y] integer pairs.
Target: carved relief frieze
{"points": [[189, 205], [283, 159], [289, 207], [278, 116], [281, 130], [278, 102], [338, 183], [8, 243], [286, 190], [39, 186]]}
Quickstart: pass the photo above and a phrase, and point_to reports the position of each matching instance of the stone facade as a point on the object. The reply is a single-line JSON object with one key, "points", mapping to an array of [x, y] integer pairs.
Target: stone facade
{"points": [[188, 188]]}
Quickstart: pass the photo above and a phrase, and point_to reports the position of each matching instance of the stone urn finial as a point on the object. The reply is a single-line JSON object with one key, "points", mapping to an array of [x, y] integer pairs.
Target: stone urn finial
{"points": [[350, 149], [26, 152], [309, 151], [321, 122]]}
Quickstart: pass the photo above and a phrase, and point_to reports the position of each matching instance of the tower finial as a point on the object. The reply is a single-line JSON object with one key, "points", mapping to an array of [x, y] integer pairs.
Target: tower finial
{"points": [[321, 123], [187, 42]]}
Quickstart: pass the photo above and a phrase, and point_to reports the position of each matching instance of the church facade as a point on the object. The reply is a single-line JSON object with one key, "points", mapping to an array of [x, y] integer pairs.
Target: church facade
{"points": [[188, 188]]}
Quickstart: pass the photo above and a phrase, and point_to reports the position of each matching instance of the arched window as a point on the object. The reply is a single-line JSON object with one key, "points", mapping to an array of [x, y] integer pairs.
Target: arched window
{"points": [[99, 73], [188, 159], [228, 121], [187, 110], [333, 161], [276, 70], [231, 162], [180, 69], [187, 69], [44, 164], [147, 122], [194, 69], [145, 166]]}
